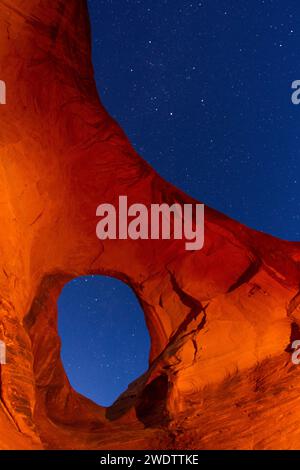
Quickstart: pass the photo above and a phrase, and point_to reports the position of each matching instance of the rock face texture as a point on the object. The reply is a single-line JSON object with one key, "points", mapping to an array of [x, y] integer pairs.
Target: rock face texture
{"points": [[221, 320]]}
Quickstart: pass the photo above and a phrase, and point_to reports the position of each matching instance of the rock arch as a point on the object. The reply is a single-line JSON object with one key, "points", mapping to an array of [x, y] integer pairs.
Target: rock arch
{"points": [[219, 319]]}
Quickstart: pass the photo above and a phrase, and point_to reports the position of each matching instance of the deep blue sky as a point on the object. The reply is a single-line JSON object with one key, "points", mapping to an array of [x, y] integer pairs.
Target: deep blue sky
{"points": [[203, 90], [105, 342]]}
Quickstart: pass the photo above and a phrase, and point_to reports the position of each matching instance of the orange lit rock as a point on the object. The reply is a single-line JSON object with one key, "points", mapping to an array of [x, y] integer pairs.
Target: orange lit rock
{"points": [[221, 319]]}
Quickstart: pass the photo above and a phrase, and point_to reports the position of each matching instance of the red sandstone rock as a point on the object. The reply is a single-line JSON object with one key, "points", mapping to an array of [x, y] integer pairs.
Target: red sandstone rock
{"points": [[220, 319]]}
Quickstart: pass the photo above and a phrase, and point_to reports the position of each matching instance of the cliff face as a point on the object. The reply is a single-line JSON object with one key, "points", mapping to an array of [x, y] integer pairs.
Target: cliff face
{"points": [[221, 319]]}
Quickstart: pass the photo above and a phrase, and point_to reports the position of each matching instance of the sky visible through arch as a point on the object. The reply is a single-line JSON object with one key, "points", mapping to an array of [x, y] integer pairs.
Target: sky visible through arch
{"points": [[105, 342], [203, 91]]}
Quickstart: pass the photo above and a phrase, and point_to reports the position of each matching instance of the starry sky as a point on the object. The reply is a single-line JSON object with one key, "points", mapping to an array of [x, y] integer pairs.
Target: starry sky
{"points": [[105, 342], [203, 91]]}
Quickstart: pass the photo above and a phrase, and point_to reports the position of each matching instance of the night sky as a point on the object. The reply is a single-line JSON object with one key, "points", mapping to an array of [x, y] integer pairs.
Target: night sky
{"points": [[105, 340], [203, 90]]}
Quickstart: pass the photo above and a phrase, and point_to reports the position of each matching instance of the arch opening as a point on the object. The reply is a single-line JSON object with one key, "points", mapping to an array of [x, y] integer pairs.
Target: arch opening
{"points": [[105, 340]]}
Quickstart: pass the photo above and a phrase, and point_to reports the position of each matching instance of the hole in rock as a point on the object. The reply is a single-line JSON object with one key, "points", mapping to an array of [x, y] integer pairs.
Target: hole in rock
{"points": [[105, 341]]}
